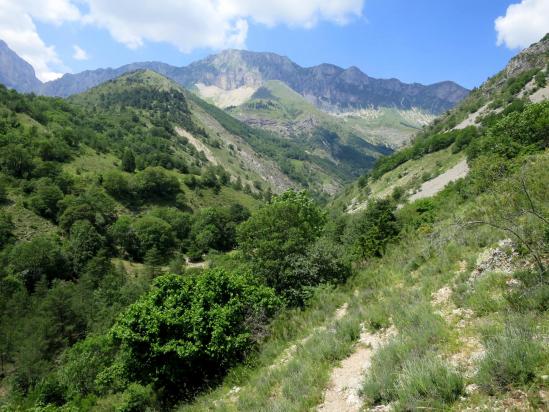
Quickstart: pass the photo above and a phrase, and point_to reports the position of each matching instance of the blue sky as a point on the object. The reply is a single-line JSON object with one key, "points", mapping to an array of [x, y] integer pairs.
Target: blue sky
{"points": [[415, 41]]}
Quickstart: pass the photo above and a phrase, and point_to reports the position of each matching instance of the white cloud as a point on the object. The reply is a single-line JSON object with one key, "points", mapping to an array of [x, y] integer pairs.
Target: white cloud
{"points": [[187, 24], [192, 24], [79, 53], [523, 24], [17, 28]]}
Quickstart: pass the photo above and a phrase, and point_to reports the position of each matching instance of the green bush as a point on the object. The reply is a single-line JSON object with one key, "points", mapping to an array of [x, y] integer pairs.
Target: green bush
{"points": [[83, 244], [188, 328], [324, 262], [153, 233], [371, 230], [512, 357], [45, 198], [93, 205], [6, 229]]}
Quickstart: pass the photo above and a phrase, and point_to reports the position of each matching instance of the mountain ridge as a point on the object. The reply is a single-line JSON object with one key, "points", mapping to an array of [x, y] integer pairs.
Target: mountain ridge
{"points": [[326, 85]]}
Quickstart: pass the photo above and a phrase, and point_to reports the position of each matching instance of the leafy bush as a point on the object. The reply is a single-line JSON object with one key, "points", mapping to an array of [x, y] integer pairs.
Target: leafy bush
{"points": [[516, 133], [45, 198], [323, 263], [6, 229], [83, 244], [187, 328], [92, 205], [153, 233]]}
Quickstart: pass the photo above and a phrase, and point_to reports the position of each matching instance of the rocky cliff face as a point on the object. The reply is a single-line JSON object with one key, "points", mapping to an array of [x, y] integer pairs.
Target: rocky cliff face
{"points": [[327, 86], [15, 72]]}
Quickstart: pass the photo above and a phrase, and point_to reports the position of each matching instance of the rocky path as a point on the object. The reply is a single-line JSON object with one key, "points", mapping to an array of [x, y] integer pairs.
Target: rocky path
{"points": [[342, 394]]}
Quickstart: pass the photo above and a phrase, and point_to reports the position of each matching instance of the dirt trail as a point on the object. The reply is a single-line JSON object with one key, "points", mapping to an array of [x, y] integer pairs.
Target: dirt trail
{"points": [[342, 394], [433, 186]]}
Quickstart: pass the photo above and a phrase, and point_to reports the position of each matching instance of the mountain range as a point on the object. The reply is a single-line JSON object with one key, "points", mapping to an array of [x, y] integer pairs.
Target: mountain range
{"points": [[326, 85]]}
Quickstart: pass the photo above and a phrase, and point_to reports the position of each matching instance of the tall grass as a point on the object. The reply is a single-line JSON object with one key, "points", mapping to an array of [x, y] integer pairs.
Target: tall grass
{"points": [[513, 357]]}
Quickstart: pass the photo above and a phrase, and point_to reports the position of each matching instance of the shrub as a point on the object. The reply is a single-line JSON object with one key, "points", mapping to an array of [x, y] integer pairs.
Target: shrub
{"points": [[93, 205], [427, 383], [370, 231], [188, 328], [128, 161], [6, 229], [83, 244], [45, 198], [512, 357], [212, 229], [118, 185], [323, 263], [123, 236]]}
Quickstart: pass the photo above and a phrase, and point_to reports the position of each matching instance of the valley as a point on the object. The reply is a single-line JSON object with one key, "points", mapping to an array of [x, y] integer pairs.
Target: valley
{"points": [[247, 234]]}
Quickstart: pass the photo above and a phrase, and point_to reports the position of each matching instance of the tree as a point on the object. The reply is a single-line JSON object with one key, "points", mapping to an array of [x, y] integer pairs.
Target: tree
{"points": [[128, 161], [123, 236], [370, 231], [83, 244], [6, 229], [212, 229], [16, 160], [188, 328], [155, 182], [275, 235], [152, 232], [323, 262], [118, 185], [37, 258], [93, 205], [45, 198]]}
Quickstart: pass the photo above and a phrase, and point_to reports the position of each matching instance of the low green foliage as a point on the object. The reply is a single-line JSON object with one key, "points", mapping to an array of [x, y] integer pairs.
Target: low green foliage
{"points": [[512, 357], [427, 383], [187, 328]]}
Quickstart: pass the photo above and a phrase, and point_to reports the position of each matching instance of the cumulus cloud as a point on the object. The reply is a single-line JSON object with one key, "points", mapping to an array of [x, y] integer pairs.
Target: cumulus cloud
{"points": [[523, 24], [186, 24], [17, 28], [214, 24], [79, 53]]}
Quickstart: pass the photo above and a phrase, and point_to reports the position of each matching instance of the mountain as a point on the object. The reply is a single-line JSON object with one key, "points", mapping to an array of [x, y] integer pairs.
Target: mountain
{"points": [[436, 156], [15, 72], [327, 86]]}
